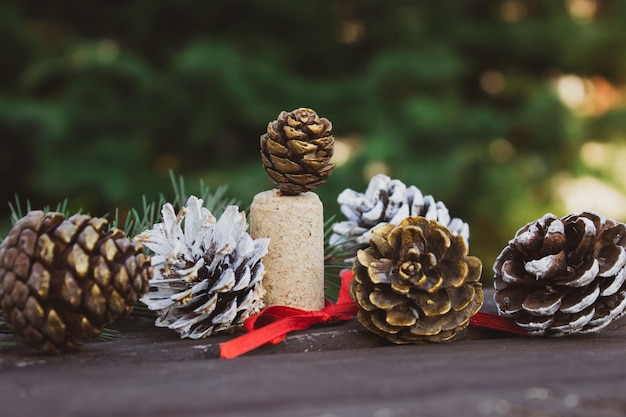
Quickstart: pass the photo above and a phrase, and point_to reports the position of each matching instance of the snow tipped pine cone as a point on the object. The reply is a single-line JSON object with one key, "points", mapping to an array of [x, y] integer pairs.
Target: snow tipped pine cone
{"points": [[563, 276], [63, 280], [386, 201], [415, 283], [296, 151], [207, 273]]}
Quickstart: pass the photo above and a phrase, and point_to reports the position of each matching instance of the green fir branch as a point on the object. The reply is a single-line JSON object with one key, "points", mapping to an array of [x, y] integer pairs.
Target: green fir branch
{"points": [[108, 334], [335, 256], [215, 201], [4, 328], [137, 221], [141, 310]]}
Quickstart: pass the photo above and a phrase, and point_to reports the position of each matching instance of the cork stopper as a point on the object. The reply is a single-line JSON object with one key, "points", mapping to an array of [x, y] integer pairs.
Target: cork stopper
{"points": [[294, 264]]}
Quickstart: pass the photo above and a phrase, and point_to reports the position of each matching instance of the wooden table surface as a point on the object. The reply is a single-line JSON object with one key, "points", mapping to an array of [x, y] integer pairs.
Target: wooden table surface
{"points": [[339, 370]]}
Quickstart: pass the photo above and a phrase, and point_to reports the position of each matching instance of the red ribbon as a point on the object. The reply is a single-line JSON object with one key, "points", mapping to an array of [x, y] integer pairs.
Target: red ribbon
{"points": [[491, 321], [273, 323]]}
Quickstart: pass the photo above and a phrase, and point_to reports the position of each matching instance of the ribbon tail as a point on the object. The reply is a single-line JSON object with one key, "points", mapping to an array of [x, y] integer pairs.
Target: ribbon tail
{"points": [[272, 333], [491, 321]]}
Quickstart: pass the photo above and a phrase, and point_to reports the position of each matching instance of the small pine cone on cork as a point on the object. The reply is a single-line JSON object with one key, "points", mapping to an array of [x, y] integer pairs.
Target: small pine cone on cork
{"points": [[563, 276], [296, 151]]}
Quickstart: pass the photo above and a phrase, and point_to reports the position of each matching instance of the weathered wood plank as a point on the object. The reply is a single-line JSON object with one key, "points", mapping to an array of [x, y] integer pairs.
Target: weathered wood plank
{"points": [[330, 371]]}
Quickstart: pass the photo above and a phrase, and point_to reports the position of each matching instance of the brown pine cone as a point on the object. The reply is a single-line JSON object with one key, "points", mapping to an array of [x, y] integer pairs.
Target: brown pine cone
{"points": [[563, 276], [296, 151], [65, 279], [415, 283]]}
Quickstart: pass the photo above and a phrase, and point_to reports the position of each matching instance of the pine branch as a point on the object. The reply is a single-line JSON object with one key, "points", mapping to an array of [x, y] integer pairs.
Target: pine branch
{"points": [[4, 328], [335, 260], [109, 334], [137, 221], [214, 200]]}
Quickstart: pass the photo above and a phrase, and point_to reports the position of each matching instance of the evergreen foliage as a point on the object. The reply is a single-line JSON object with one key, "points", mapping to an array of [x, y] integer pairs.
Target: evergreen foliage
{"points": [[99, 100]]}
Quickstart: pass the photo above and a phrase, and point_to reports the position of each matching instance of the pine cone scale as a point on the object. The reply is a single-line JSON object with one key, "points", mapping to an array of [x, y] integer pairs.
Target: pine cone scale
{"points": [[617, 253], [34, 312], [101, 273], [88, 238], [19, 295], [611, 287], [542, 302], [21, 265], [301, 147], [285, 165], [273, 147], [574, 302], [53, 327], [399, 317], [94, 300], [39, 280], [461, 297], [27, 242], [70, 290], [381, 299], [65, 231], [78, 260], [45, 250], [108, 250], [433, 305]]}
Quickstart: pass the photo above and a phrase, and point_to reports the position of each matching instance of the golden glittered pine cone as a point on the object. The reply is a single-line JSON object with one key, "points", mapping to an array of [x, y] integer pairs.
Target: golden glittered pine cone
{"points": [[415, 283], [296, 151], [62, 280], [563, 276]]}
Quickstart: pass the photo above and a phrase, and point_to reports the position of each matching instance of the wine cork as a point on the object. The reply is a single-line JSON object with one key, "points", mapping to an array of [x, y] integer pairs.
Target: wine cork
{"points": [[294, 264]]}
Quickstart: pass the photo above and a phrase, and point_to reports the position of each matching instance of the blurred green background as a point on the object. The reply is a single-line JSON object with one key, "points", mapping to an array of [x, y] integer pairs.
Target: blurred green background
{"points": [[503, 109]]}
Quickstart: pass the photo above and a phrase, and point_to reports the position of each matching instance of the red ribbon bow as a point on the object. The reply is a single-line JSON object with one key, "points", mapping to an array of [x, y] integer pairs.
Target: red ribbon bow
{"points": [[273, 323]]}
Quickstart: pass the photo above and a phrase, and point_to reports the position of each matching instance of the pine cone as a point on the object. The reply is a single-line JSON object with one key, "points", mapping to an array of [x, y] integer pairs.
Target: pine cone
{"points": [[415, 283], [207, 273], [387, 201], [296, 151], [65, 279], [563, 276]]}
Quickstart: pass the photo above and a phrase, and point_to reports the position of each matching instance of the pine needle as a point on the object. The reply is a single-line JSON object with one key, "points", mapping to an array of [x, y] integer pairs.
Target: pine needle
{"points": [[17, 212], [4, 328], [141, 310], [109, 334], [335, 260], [215, 201]]}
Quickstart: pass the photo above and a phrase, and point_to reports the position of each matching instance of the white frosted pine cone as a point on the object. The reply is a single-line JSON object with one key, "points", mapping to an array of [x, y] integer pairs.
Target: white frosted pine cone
{"points": [[561, 276], [207, 273], [387, 201]]}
